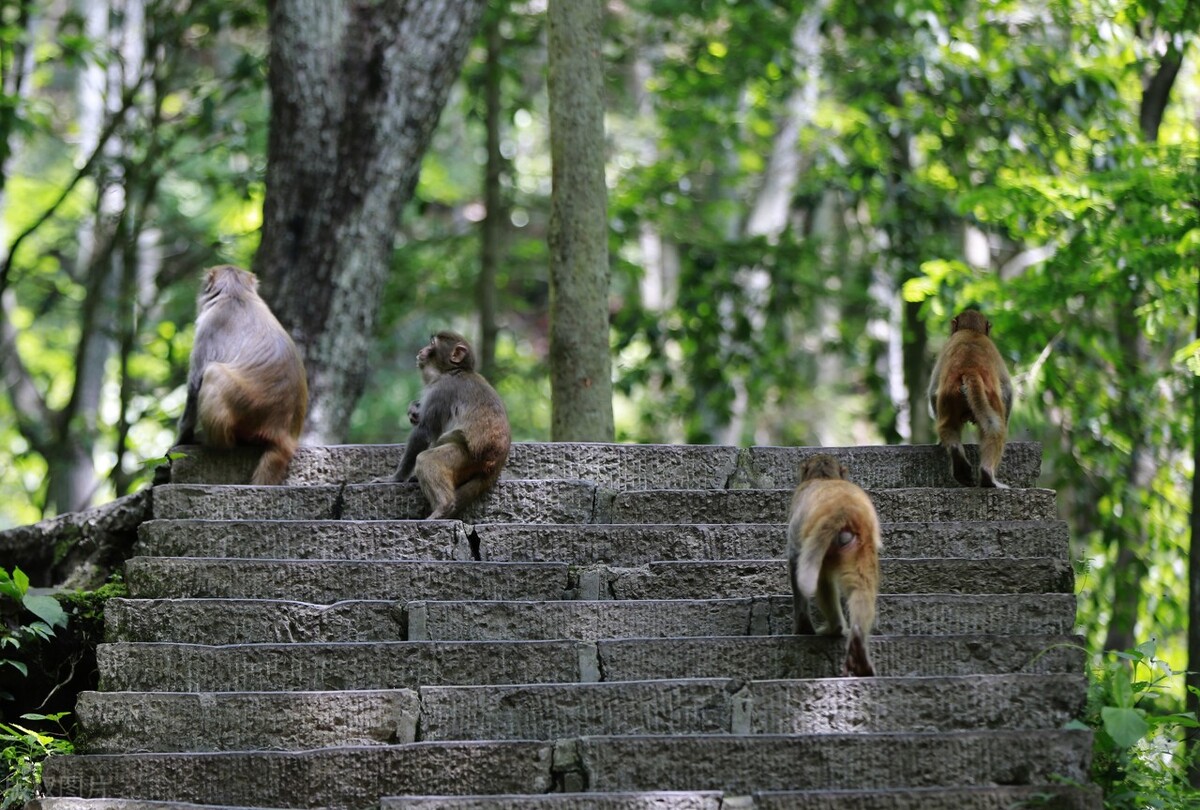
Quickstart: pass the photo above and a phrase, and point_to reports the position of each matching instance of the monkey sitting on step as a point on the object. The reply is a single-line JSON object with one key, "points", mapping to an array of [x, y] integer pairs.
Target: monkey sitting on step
{"points": [[246, 382], [970, 384], [833, 548], [461, 436]]}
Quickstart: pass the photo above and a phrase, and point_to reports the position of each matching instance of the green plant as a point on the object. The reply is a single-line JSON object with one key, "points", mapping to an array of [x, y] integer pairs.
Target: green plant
{"points": [[1138, 754], [15, 601], [25, 750]]}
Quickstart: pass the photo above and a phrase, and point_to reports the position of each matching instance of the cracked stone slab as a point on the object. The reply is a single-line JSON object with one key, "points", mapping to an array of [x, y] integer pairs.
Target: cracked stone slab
{"points": [[306, 539], [712, 706], [749, 763], [643, 543], [328, 581], [898, 614], [120, 722], [174, 667], [771, 505], [351, 778], [698, 579], [886, 467], [775, 657]]}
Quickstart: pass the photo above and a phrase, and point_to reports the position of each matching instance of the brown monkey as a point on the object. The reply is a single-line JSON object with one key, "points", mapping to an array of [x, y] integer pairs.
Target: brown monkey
{"points": [[970, 384], [246, 384], [461, 436], [833, 548]]}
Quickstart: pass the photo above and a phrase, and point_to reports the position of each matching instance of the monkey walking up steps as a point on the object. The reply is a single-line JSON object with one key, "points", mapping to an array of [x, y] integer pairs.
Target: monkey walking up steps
{"points": [[833, 548], [461, 435], [970, 384], [246, 382]]}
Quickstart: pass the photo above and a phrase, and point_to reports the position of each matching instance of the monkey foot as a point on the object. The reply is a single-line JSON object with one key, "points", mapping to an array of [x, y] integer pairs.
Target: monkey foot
{"points": [[986, 479], [858, 665]]}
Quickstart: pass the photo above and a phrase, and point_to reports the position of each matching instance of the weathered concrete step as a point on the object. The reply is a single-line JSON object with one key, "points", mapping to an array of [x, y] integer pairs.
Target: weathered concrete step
{"points": [[336, 778], [771, 505], [1046, 797], [356, 777], [169, 667], [626, 466], [327, 581], [233, 621], [75, 803], [541, 501], [116, 722], [898, 614], [578, 544], [581, 502]]}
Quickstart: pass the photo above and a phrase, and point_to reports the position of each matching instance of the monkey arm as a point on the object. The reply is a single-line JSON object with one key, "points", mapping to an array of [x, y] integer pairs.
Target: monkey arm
{"points": [[418, 441], [187, 422]]}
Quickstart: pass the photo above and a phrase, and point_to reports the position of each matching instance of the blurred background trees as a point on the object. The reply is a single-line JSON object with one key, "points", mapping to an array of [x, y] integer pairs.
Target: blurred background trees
{"points": [[800, 197]]}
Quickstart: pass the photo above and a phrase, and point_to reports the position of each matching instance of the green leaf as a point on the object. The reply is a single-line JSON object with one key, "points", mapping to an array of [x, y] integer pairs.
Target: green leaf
{"points": [[22, 579], [47, 609], [1189, 355], [1125, 726], [1122, 689]]}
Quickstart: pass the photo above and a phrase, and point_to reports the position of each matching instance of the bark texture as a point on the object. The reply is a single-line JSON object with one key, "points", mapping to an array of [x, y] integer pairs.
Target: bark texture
{"points": [[580, 362], [356, 91]]}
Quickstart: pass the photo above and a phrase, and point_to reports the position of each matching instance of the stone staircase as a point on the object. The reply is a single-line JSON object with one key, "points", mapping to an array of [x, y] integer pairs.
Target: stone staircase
{"points": [[607, 629]]}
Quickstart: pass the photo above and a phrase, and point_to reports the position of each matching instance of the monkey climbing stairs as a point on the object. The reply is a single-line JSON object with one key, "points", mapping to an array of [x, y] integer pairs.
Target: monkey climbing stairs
{"points": [[606, 629]]}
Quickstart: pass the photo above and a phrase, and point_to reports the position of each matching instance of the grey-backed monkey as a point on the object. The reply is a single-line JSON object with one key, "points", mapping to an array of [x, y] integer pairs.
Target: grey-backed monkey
{"points": [[461, 436], [970, 384], [246, 382], [833, 549]]}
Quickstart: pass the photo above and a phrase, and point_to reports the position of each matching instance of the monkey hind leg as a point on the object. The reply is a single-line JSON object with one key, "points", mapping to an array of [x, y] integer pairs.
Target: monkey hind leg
{"points": [[991, 449], [801, 622], [273, 466], [830, 603], [437, 470], [858, 661]]}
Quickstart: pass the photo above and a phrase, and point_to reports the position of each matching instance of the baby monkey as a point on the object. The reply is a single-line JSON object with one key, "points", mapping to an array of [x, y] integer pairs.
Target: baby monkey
{"points": [[833, 549], [246, 382], [461, 436], [970, 384]]}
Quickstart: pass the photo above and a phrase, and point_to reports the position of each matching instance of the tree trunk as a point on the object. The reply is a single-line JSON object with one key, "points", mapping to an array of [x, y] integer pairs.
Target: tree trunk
{"points": [[580, 363], [497, 211], [1193, 630], [356, 91]]}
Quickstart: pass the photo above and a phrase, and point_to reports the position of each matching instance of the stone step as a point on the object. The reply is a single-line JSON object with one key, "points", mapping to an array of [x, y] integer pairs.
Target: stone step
{"points": [[237, 621], [556, 501], [118, 722], [1046, 796], [171, 667], [541, 501], [625, 466], [327, 581], [356, 777], [578, 543]]}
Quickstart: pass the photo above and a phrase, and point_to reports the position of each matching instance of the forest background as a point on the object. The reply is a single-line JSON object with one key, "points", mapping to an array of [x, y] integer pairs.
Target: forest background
{"points": [[800, 196]]}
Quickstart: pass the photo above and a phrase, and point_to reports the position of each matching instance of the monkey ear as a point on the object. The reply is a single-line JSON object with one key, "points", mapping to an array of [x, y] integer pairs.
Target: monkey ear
{"points": [[458, 353], [953, 325]]}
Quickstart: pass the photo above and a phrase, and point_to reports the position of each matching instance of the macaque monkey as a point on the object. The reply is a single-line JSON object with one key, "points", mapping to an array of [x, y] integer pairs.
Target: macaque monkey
{"points": [[246, 383], [461, 436], [833, 549], [970, 384]]}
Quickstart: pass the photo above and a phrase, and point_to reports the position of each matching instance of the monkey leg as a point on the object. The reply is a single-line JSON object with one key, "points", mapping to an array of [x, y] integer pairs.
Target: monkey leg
{"points": [[861, 606], [949, 430], [858, 662], [991, 448], [273, 466], [215, 409], [437, 470], [831, 605], [801, 622]]}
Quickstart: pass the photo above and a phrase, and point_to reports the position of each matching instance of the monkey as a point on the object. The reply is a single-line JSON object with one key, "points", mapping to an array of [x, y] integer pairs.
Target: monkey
{"points": [[970, 383], [833, 545], [461, 435], [246, 381]]}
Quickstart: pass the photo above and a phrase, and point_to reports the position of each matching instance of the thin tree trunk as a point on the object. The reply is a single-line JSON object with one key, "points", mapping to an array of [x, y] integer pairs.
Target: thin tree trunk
{"points": [[356, 91], [580, 363], [497, 211], [1193, 632]]}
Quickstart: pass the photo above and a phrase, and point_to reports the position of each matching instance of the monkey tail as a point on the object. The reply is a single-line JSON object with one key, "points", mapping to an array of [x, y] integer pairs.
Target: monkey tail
{"points": [[826, 530], [984, 402]]}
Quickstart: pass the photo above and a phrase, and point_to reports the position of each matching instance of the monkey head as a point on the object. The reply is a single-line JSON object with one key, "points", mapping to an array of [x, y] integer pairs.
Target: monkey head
{"points": [[973, 320], [446, 352], [225, 279], [822, 465]]}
